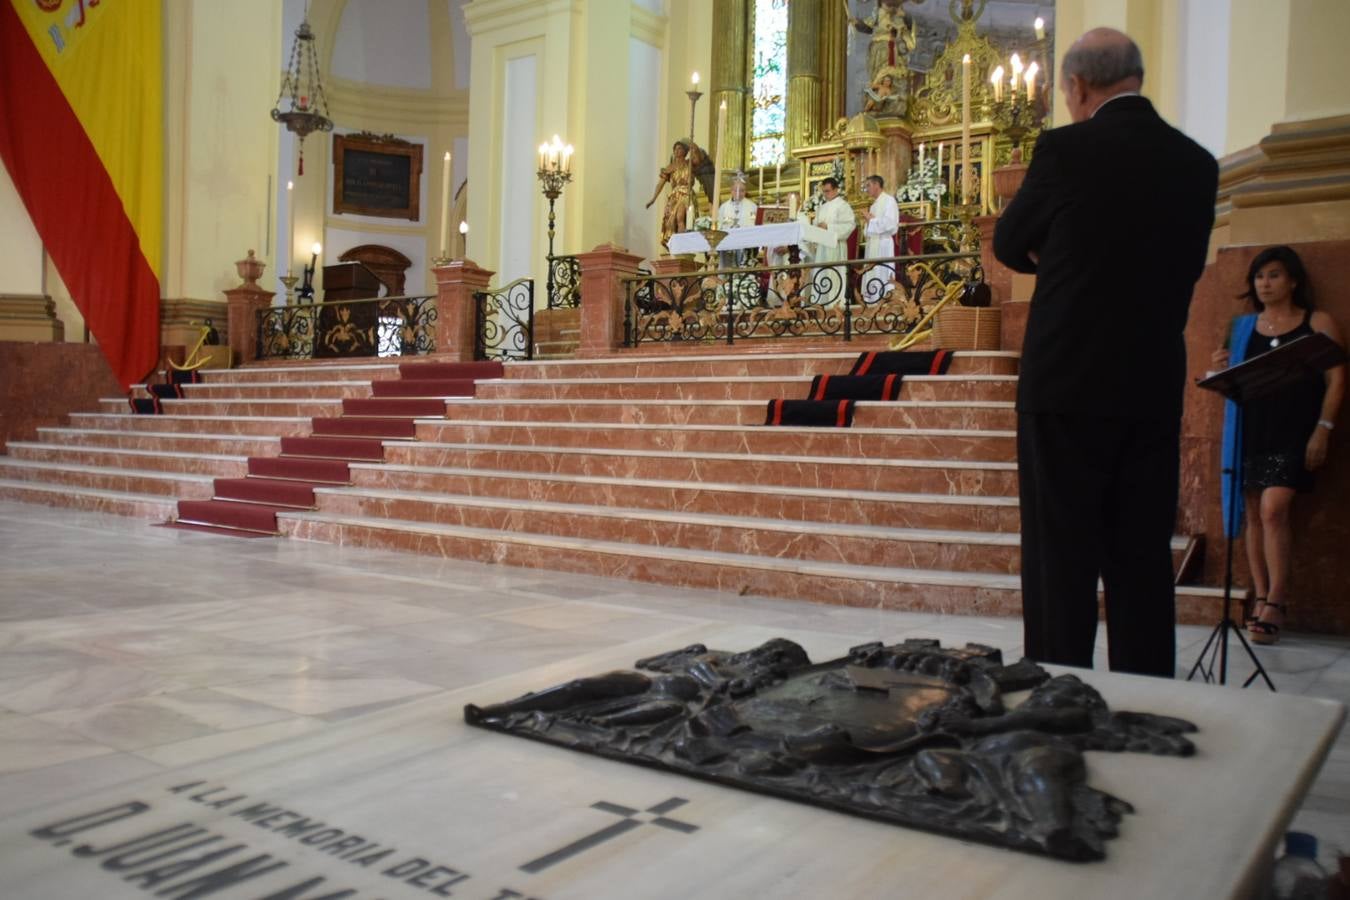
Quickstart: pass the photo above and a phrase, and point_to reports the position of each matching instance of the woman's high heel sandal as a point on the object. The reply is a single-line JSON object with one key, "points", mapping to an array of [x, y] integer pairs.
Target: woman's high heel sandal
{"points": [[1257, 608], [1262, 632]]}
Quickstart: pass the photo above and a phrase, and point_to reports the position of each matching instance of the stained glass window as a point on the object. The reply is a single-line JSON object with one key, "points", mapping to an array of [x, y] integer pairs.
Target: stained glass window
{"points": [[769, 113]]}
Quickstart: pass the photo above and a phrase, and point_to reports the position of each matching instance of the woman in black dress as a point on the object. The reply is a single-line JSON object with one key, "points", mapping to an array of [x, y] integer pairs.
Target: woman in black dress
{"points": [[1284, 436]]}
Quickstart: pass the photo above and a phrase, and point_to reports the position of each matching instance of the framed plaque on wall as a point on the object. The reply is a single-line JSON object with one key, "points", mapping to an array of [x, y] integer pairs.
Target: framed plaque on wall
{"points": [[376, 175]]}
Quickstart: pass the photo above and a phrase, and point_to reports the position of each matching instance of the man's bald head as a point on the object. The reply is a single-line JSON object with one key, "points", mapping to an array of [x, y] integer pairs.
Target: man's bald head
{"points": [[1100, 64]]}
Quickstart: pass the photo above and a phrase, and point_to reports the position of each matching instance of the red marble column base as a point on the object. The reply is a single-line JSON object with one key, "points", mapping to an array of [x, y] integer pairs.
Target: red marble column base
{"points": [[456, 283], [603, 297], [242, 306]]}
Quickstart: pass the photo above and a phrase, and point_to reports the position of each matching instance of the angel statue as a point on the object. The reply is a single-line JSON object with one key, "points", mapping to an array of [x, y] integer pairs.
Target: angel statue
{"points": [[893, 36], [688, 161], [888, 95]]}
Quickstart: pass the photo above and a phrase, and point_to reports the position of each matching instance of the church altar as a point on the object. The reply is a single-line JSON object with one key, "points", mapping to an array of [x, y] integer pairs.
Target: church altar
{"points": [[777, 234]]}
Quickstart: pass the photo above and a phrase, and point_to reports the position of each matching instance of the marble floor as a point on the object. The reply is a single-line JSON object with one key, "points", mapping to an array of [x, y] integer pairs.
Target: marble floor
{"points": [[128, 650]]}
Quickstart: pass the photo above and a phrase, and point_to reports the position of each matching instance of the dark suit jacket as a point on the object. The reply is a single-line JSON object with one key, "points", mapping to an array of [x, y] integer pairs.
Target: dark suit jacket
{"points": [[1119, 210]]}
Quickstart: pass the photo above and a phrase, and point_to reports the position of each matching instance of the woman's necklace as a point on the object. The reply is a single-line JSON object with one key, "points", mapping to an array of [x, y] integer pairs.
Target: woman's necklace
{"points": [[1276, 329]]}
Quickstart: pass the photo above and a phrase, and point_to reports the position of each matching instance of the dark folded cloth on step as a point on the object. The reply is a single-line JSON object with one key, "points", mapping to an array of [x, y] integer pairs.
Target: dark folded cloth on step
{"points": [[815, 413], [179, 376], [903, 362], [855, 387], [165, 391], [145, 406]]}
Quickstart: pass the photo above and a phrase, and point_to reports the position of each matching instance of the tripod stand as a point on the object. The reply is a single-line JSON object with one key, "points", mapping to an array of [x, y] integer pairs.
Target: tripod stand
{"points": [[1248, 380], [1217, 644]]}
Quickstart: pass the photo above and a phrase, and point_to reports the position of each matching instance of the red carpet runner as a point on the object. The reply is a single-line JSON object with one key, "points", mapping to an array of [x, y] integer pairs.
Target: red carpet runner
{"points": [[249, 506]]}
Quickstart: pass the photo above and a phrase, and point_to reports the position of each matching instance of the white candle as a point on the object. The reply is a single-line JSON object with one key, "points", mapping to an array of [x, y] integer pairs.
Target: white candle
{"points": [[777, 181], [965, 129], [996, 79], [567, 158], [694, 80], [717, 166], [939, 169], [921, 157], [792, 206], [1031, 81], [464, 238], [445, 206], [1039, 27], [290, 226], [761, 184], [1016, 73], [543, 156]]}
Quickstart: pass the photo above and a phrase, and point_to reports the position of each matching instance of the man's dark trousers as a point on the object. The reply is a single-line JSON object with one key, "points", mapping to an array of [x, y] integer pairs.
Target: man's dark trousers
{"points": [[1098, 496]]}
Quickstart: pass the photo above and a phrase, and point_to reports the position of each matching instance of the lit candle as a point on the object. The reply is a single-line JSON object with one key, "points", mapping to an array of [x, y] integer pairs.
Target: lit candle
{"points": [[1039, 26], [921, 158], [1031, 81], [694, 80], [445, 206], [555, 152], [996, 79], [1016, 73], [761, 184], [464, 237], [965, 129], [689, 213], [950, 181], [543, 156], [290, 224], [777, 180], [567, 158], [792, 206]]}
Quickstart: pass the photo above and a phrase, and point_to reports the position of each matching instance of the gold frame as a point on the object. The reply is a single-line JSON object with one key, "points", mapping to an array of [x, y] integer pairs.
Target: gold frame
{"points": [[386, 145]]}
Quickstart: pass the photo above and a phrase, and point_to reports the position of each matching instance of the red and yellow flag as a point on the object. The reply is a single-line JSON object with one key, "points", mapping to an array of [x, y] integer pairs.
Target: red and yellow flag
{"points": [[82, 135]]}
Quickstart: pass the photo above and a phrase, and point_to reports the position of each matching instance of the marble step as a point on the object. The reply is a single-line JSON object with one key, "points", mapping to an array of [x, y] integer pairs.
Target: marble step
{"points": [[238, 407], [741, 363], [956, 477], [984, 415], [875, 587], [166, 442], [117, 480], [292, 391], [869, 545], [140, 506], [885, 508], [250, 425], [336, 371], [851, 442], [218, 465], [948, 388]]}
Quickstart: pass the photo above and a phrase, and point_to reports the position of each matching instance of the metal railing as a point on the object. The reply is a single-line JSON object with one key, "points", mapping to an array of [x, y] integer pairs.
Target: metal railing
{"points": [[504, 322], [855, 298], [564, 282], [377, 326]]}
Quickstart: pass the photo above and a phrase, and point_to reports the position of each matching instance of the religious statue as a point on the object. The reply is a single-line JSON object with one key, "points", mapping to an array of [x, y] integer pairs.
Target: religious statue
{"points": [[688, 161], [888, 94], [893, 37]]}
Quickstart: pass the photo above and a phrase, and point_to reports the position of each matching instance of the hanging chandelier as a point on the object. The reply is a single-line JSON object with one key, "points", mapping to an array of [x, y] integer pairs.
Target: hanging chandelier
{"points": [[308, 106]]}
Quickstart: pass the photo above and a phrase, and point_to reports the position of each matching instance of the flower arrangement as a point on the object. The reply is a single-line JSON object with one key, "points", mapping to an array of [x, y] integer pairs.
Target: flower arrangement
{"points": [[925, 183], [703, 223]]}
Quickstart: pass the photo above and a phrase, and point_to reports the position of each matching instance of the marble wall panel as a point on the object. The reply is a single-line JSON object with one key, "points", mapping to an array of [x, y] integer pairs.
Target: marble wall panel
{"points": [[41, 384]]}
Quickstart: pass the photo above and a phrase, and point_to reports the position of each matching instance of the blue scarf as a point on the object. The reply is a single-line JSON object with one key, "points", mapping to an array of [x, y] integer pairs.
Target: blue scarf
{"points": [[1243, 327]]}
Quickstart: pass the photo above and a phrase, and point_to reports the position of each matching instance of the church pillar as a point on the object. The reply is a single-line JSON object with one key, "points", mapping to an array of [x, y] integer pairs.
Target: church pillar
{"points": [[603, 297], [804, 73], [833, 43], [731, 80], [456, 283]]}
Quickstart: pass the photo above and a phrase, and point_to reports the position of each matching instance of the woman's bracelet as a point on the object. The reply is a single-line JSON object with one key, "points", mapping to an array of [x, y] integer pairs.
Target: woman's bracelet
{"points": [[1326, 423]]}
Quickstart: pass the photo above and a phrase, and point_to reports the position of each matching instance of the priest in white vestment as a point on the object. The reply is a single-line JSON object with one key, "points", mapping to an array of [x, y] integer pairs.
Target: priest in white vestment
{"points": [[738, 212], [837, 217], [883, 221]]}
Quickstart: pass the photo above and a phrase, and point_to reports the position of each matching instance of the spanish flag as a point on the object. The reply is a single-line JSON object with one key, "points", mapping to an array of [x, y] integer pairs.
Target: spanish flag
{"points": [[82, 134]]}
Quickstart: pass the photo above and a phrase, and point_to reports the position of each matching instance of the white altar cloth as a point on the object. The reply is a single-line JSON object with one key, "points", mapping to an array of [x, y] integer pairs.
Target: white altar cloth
{"points": [[778, 234]]}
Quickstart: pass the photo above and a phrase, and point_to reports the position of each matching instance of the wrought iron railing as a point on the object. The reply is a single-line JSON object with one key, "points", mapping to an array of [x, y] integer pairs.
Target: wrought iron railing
{"points": [[841, 300], [378, 326], [504, 322], [564, 282]]}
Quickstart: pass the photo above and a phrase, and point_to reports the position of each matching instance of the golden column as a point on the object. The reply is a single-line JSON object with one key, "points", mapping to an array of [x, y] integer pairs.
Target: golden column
{"points": [[833, 63], [730, 80], [803, 71]]}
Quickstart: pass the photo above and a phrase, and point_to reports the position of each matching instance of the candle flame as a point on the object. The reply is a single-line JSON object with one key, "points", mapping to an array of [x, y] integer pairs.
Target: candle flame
{"points": [[316, 248], [447, 154], [463, 227], [290, 185], [694, 80], [1016, 64], [997, 75], [965, 60]]}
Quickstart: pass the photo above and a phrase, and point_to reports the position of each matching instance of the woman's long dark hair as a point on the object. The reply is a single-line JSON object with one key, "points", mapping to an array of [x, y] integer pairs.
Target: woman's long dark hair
{"points": [[1293, 266]]}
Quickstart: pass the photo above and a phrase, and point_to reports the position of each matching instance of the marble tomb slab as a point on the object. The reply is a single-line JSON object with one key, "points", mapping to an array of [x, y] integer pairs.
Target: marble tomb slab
{"points": [[412, 802]]}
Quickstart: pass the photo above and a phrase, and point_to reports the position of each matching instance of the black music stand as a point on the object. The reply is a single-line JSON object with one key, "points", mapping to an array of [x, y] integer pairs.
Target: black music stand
{"points": [[1248, 380]]}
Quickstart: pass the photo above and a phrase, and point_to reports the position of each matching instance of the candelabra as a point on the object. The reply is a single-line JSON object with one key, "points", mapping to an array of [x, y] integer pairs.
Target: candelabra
{"points": [[1015, 117], [555, 170], [289, 282]]}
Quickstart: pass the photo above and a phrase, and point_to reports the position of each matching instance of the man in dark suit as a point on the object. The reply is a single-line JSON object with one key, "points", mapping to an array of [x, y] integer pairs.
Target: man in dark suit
{"points": [[1114, 218]]}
